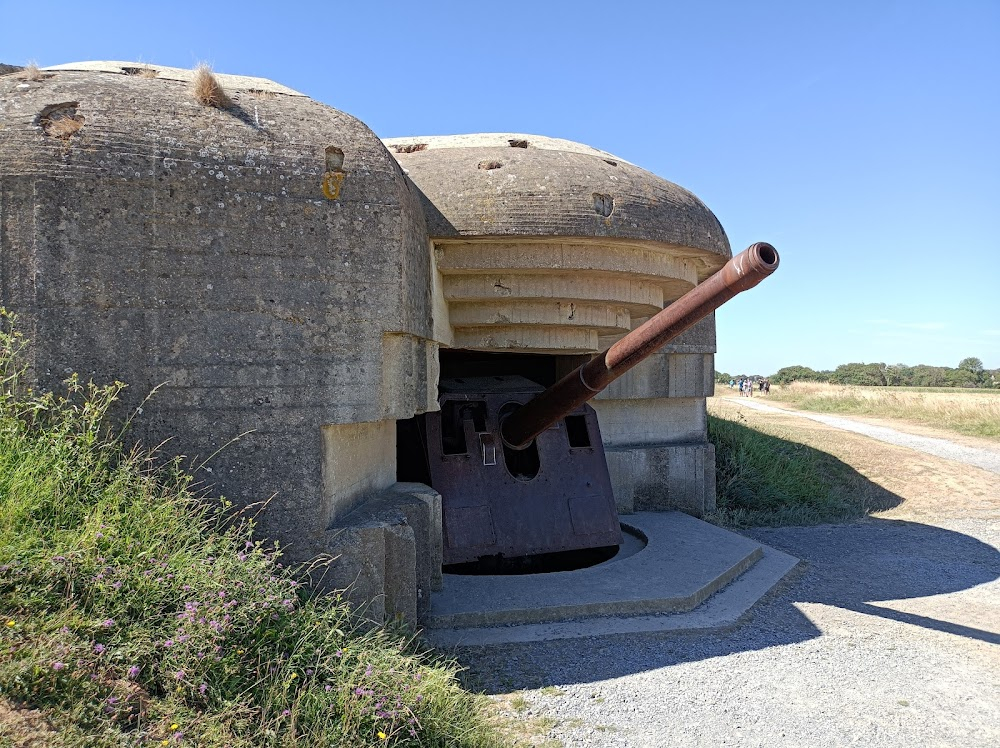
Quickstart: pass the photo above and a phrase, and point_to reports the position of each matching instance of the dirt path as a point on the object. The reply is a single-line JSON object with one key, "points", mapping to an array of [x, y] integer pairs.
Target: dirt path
{"points": [[987, 458], [889, 636]]}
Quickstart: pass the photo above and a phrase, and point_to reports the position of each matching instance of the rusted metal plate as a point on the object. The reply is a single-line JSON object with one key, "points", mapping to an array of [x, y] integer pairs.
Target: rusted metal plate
{"points": [[553, 496]]}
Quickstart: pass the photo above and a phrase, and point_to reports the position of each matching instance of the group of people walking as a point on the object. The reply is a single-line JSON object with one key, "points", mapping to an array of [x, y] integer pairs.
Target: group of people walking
{"points": [[746, 385]]}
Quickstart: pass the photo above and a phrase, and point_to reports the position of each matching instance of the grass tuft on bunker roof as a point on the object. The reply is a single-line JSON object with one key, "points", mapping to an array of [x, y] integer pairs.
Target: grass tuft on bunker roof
{"points": [[207, 90]]}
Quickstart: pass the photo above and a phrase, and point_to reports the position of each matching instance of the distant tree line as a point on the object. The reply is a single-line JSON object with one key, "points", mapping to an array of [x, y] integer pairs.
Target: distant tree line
{"points": [[969, 373]]}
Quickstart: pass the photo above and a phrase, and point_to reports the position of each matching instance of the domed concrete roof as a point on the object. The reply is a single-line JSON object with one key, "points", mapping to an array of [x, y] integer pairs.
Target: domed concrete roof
{"points": [[545, 245], [509, 184]]}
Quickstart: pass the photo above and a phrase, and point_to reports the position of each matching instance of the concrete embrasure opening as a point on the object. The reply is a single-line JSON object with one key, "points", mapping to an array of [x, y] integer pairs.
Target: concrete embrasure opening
{"points": [[413, 454], [411, 446]]}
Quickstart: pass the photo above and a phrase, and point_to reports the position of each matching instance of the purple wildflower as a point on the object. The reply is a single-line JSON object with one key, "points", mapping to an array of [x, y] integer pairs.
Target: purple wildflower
{"points": [[285, 713], [179, 675], [99, 648], [58, 665], [202, 688], [168, 643], [133, 672], [108, 623]]}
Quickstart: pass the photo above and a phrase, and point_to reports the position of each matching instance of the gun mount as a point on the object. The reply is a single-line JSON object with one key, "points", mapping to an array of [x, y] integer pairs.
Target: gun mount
{"points": [[522, 471]]}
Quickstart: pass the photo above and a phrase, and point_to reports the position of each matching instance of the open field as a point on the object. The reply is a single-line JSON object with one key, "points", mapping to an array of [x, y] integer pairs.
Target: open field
{"points": [[963, 411]]}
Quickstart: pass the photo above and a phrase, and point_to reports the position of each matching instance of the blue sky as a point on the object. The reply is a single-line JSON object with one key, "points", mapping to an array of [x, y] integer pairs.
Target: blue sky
{"points": [[862, 139]]}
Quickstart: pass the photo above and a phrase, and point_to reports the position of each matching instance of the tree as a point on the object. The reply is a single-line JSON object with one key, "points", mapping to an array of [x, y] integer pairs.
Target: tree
{"points": [[961, 378], [972, 369], [972, 364], [898, 375], [791, 374], [865, 375], [928, 376]]}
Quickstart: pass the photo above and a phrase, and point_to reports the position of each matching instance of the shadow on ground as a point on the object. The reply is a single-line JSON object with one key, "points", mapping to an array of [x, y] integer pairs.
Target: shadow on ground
{"points": [[851, 566]]}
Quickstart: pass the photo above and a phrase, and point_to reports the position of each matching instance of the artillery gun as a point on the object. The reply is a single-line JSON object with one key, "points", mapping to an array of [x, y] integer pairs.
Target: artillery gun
{"points": [[521, 469]]}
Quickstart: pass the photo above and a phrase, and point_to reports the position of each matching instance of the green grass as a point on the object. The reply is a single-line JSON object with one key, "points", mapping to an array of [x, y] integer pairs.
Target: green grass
{"points": [[135, 613], [764, 480]]}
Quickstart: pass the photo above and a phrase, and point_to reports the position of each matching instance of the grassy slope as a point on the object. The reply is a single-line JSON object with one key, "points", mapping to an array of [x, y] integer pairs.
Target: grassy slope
{"points": [[130, 615], [765, 479]]}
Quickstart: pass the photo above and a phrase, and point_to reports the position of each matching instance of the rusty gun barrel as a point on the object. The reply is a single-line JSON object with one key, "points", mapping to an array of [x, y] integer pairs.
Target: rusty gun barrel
{"points": [[742, 272]]}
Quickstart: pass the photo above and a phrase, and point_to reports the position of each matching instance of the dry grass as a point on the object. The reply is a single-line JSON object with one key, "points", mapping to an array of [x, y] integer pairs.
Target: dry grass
{"points": [[144, 71], [970, 412], [31, 72], [206, 89], [61, 120], [63, 127]]}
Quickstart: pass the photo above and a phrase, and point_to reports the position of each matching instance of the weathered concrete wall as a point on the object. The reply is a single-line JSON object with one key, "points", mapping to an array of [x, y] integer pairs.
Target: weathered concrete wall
{"points": [[654, 425], [210, 252]]}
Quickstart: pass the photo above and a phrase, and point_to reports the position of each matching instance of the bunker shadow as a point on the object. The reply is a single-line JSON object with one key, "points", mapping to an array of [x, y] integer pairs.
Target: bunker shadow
{"points": [[854, 566]]}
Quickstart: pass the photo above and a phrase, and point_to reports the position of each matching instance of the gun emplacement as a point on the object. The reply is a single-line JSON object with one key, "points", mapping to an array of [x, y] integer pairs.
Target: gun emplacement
{"points": [[742, 272]]}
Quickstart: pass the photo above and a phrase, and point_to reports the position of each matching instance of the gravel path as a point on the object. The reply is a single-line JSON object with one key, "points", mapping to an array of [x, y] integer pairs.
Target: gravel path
{"points": [[984, 458], [831, 660], [889, 636]]}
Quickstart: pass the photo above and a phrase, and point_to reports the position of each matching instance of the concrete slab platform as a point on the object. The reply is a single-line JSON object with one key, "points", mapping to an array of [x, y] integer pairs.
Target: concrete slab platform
{"points": [[658, 588]]}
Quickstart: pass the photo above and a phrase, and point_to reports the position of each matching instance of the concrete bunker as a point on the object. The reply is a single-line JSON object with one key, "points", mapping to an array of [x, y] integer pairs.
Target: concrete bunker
{"points": [[298, 289]]}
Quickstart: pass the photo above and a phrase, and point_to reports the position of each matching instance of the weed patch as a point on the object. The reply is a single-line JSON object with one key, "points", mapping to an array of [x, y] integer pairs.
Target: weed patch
{"points": [[134, 612]]}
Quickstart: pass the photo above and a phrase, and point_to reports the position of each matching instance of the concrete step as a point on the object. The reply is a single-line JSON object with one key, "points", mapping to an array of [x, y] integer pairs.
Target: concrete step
{"points": [[685, 561]]}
